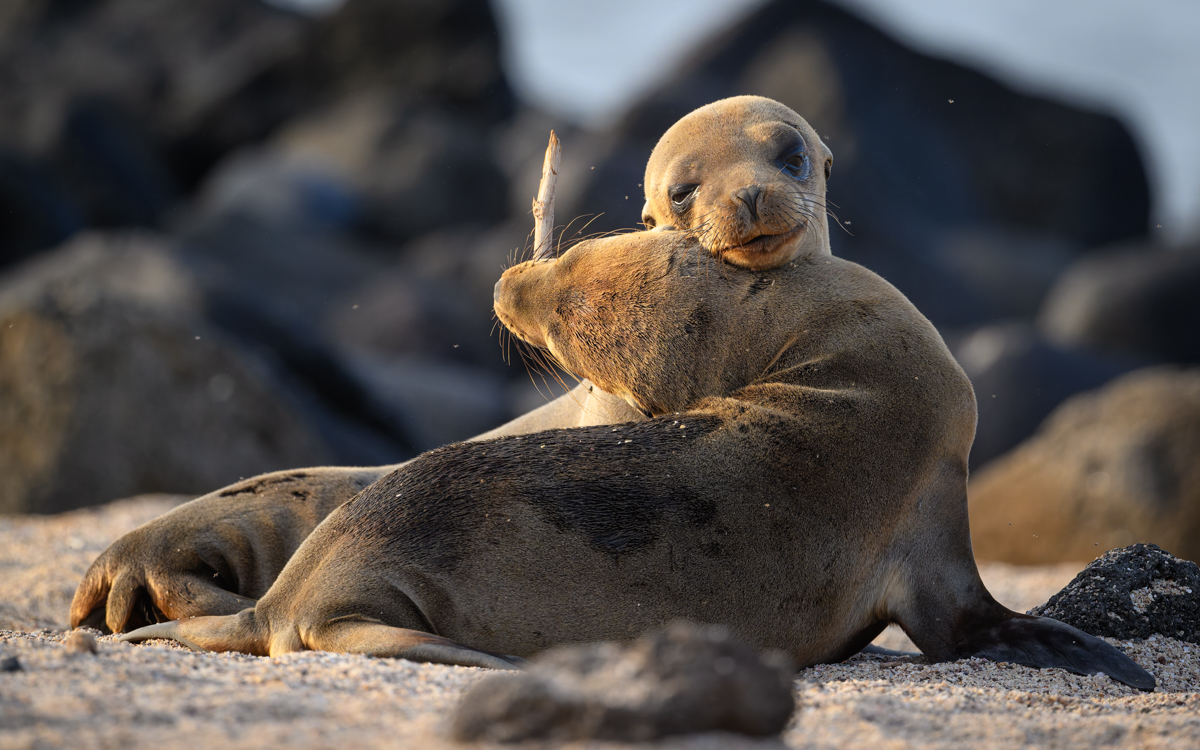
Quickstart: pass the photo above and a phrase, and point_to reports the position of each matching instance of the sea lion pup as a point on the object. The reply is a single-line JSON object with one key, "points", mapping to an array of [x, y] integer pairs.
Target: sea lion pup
{"points": [[747, 175], [802, 481]]}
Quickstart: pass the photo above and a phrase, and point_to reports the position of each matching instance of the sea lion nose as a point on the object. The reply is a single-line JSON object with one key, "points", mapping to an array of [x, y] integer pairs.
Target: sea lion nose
{"points": [[749, 195]]}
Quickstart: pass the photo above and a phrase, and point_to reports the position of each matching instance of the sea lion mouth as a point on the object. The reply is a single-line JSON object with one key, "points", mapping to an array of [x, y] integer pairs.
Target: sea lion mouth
{"points": [[764, 243]]}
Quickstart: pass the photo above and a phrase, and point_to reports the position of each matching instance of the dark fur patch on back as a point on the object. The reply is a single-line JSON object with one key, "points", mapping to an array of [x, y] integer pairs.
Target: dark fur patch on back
{"points": [[614, 486]]}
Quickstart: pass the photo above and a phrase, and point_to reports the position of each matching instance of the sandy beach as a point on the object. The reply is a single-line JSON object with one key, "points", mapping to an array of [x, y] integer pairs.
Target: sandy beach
{"points": [[159, 694]]}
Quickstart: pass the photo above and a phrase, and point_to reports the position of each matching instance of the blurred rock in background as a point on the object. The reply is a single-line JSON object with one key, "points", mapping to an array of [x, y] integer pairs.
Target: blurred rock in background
{"points": [[113, 383], [1105, 470], [332, 198], [1134, 299]]}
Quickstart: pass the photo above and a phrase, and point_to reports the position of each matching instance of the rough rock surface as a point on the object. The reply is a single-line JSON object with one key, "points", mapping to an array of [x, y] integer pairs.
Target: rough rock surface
{"points": [[681, 680], [1134, 592], [1106, 469], [112, 384]]}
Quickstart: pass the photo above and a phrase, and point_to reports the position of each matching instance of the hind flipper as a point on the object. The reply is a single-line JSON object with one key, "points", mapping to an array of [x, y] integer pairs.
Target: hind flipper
{"points": [[373, 638], [1043, 642], [213, 633]]}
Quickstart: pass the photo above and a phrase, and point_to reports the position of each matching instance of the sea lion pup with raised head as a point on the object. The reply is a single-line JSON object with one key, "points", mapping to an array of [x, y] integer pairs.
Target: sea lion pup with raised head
{"points": [[747, 176], [802, 481]]}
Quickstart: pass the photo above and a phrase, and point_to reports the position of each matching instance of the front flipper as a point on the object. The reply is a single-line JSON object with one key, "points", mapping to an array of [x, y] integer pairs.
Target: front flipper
{"points": [[350, 635], [373, 638], [239, 632], [1043, 642]]}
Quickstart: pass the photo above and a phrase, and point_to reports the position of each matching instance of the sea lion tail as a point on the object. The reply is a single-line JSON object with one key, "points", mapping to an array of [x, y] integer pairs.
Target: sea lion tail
{"points": [[1043, 642], [241, 632]]}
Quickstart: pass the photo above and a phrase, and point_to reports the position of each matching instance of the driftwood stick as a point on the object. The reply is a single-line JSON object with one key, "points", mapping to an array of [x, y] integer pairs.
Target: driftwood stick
{"points": [[543, 204]]}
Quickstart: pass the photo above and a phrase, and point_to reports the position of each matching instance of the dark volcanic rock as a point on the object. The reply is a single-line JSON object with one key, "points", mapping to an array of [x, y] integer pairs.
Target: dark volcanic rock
{"points": [[417, 165], [440, 50], [1134, 592], [1138, 299], [35, 210], [684, 679], [129, 98]]}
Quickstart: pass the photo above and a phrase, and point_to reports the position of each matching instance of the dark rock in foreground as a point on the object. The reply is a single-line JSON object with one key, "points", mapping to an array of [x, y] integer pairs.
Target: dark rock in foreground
{"points": [[1133, 592], [681, 680]]}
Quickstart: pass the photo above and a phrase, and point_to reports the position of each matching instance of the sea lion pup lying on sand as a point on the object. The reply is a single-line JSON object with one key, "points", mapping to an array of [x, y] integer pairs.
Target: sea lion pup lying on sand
{"points": [[219, 553], [802, 481]]}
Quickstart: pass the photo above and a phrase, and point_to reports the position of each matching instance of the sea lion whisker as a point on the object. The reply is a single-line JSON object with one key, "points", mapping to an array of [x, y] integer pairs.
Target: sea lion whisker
{"points": [[587, 224]]}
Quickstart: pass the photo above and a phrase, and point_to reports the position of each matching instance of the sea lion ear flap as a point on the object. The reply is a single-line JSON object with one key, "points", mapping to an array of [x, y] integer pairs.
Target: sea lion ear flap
{"points": [[1043, 642]]}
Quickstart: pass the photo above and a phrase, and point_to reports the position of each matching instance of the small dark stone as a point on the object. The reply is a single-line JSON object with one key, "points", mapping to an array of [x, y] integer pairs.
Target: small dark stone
{"points": [[684, 679], [1133, 592], [11, 664]]}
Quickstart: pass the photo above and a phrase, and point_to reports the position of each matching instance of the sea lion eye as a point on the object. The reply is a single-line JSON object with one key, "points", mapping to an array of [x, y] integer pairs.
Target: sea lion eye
{"points": [[681, 196], [796, 164]]}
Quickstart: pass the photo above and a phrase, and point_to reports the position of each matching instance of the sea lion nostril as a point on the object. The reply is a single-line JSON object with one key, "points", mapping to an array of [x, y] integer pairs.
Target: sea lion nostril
{"points": [[749, 195]]}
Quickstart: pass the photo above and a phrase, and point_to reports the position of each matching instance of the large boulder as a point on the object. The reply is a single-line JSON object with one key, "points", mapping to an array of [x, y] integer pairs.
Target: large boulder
{"points": [[1130, 300], [112, 384], [1106, 469], [445, 51], [131, 99], [35, 210]]}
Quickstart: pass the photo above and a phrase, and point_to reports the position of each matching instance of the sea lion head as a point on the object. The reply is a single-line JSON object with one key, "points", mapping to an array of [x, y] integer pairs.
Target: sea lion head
{"points": [[634, 313], [747, 176]]}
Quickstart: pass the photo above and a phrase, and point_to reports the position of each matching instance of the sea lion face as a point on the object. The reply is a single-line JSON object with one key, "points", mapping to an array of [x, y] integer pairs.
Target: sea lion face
{"points": [[747, 176]]}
